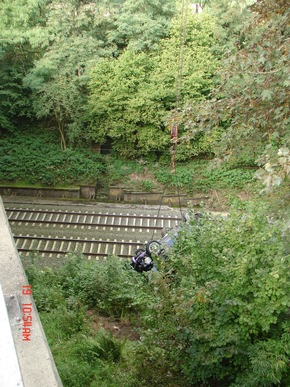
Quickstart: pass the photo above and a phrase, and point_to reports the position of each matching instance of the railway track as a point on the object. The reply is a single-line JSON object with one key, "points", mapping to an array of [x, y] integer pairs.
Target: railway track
{"points": [[90, 219], [78, 224], [92, 249]]}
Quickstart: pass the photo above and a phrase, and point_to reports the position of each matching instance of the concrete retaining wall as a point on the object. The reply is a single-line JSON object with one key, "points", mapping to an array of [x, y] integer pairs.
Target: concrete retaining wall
{"points": [[142, 197], [116, 193], [122, 195], [112, 194], [40, 192], [83, 192]]}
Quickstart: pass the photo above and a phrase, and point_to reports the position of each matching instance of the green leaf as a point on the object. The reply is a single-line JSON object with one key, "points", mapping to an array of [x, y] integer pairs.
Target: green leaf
{"points": [[266, 95]]}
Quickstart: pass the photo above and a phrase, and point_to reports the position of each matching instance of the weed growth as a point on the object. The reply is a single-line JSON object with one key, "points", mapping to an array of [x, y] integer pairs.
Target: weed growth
{"points": [[199, 176], [216, 314], [36, 157]]}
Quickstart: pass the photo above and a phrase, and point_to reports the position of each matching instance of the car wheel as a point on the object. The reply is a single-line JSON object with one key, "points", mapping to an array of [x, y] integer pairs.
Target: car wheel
{"points": [[165, 231], [153, 247]]}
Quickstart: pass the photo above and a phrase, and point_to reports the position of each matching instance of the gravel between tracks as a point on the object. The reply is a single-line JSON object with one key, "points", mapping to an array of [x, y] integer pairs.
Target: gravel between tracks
{"points": [[87, 232]]}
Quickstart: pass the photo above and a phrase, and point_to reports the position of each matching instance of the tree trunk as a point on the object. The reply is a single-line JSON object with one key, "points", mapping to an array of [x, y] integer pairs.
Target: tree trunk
{"points": [[62, 138]]}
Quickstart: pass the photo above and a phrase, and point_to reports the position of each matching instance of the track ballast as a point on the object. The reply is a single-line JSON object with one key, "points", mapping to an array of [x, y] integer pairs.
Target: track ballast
{"points": [[106, 233]]}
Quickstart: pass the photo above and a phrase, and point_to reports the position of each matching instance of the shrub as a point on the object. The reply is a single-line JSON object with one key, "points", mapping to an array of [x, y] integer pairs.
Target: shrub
{"points": [[85, 357], [224, 303], [36, 157], [217, 313]]}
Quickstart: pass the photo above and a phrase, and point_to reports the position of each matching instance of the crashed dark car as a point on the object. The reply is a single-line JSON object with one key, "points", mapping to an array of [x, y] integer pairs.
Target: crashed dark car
{"points": [[143, 258]]}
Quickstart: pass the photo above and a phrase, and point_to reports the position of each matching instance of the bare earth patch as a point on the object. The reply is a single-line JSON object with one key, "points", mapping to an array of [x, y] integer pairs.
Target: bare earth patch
{"points": [[119, 328]]}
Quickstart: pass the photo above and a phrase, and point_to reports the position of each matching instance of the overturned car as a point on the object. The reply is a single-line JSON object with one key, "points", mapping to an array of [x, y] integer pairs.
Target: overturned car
{"points": [[143, 258]]}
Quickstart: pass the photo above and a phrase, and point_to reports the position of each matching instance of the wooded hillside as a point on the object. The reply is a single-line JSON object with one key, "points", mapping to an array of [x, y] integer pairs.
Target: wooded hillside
{"points": [[118, 70]]}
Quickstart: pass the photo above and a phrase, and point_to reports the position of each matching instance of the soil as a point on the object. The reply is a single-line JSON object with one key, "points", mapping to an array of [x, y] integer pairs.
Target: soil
{"points": [[119, 328]]}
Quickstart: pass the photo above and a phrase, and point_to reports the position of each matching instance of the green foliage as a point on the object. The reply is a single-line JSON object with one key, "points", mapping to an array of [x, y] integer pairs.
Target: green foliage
{"points": [[85, 356], [227, 288], [216, 313], [251, 103], [147, 185], [275, 169], [141, 25], [16, 58], [58, 79], [119, 168], [219, 178], [47, 56], [181, 177], [111, 288], [232, 17], [130, 97], [120, 110], [202, 175], [50, 45], [198, 61], [14, 98], [37, 158]]}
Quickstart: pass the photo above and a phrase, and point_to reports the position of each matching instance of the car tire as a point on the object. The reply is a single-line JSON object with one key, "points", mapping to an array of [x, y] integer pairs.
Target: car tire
{"points": [[153, 247], [165, 231]]}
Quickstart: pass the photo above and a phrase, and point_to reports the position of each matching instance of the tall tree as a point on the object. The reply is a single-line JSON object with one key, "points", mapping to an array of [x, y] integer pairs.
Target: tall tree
{"points": [[20, 24], [130, 97], [118, 107], [251, 104], [58, 79], [140, 24]]}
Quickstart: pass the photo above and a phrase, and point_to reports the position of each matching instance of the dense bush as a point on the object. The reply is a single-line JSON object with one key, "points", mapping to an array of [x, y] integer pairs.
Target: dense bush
{"points": [[85, 356], [223, 305], [36, 157], [216, 313], [111, 288]]}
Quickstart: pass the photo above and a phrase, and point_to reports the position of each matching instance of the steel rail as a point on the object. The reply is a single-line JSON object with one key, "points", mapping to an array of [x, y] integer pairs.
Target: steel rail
{"points": [[86, 224], [107, 245], [111, 224], [168, 217]]}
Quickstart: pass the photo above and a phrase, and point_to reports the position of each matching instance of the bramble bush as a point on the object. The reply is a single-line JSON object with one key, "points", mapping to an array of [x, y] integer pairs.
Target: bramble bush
{"points": [[221, 313], [216, 313]]}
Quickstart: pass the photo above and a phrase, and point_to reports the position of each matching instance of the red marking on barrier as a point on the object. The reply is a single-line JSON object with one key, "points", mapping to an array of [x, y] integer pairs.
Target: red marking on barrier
{"points": [[27, 317]]}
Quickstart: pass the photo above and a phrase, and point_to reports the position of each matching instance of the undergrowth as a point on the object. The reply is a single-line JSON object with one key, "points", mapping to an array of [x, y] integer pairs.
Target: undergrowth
{"points": [[200, 176], [215, 313], [35, 157], [85, 356]]}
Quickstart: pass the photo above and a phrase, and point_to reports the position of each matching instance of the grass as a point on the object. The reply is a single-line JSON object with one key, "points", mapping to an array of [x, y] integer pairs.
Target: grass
{"points": [[86, 355]]}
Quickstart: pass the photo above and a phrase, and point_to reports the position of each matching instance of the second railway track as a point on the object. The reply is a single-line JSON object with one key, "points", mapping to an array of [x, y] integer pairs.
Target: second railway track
{"points": [[96, 220]]}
